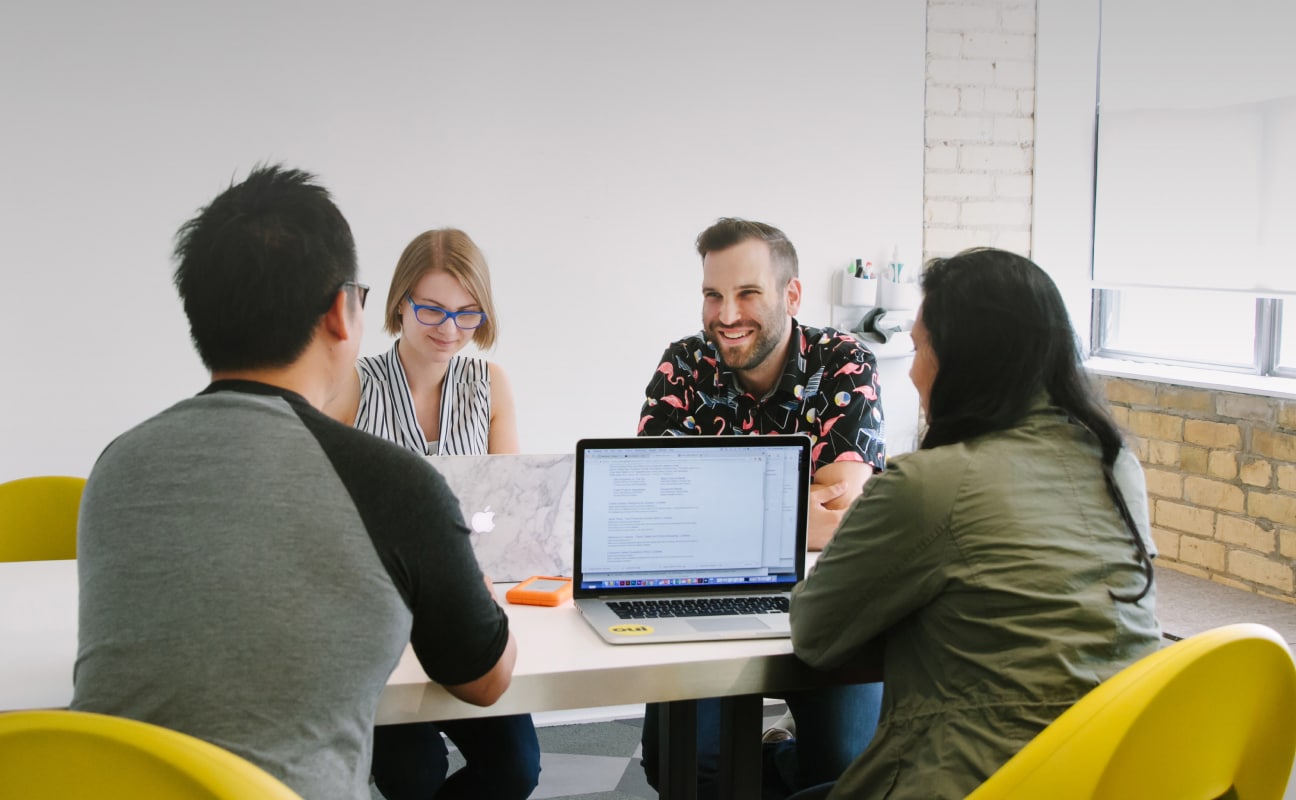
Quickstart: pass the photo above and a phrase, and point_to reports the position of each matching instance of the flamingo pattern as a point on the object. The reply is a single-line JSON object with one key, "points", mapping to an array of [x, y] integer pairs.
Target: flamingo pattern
{"points": [[829, 390]]}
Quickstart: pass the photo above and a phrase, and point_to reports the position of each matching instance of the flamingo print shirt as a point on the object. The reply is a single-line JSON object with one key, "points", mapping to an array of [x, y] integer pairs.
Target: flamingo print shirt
{"points": [[829, 390]]}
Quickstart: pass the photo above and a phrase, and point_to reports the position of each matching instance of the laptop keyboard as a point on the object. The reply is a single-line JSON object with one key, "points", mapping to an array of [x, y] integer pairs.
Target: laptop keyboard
{"points": [[699, 607]]}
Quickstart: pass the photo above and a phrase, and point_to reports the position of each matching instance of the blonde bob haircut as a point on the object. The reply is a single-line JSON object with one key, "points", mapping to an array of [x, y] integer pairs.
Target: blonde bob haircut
{"points": [[447, 250]]}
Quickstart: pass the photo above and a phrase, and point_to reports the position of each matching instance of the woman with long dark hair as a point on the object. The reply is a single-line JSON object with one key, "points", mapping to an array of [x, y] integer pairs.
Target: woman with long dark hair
{"points": [[1004, 567]]}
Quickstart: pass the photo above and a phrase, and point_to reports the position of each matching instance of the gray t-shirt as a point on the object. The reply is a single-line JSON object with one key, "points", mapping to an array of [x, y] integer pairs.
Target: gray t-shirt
{"points": [[251, 571]]}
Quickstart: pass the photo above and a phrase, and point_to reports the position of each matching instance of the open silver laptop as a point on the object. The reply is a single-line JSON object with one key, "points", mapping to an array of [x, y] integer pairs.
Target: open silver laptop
{"points": [[520, 510], [690, 537]]}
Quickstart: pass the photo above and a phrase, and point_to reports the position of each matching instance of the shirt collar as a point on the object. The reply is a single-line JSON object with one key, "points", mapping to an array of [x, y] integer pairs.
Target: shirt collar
{"points": [[254, 387]]}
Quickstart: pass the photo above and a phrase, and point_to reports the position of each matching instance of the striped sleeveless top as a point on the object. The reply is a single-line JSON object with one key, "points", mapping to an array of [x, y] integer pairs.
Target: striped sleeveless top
{"points": [[387, 410]]}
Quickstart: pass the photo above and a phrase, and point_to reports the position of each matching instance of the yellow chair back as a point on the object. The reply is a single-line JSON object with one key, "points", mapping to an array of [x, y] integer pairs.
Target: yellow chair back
{"points": [[1212, 716], [71, 754], [38, 518]]}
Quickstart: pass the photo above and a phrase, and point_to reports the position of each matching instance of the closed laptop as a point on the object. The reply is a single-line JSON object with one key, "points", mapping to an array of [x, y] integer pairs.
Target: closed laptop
{"points": [[519, 508]]}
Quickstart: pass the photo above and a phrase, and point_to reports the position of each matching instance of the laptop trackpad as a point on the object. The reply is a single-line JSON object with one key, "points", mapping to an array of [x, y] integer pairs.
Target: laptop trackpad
{"points": [[730, 624]]}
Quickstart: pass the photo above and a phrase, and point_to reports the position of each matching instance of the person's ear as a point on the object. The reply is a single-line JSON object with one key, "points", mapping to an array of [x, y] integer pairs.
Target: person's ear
{"points": [[794, 296], [342, 320]]}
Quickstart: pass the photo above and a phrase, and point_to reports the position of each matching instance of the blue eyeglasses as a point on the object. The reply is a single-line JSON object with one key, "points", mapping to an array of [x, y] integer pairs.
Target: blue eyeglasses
{"points": [[435, 315]]}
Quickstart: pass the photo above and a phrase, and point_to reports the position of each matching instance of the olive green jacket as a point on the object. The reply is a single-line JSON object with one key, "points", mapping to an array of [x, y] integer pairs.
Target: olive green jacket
{"points": [[984, 570]]}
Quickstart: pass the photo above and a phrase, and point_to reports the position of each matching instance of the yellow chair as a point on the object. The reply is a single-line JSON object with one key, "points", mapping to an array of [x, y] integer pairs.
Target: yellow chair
{"points": [[38, 518], [1210, 717], [71, 755]]}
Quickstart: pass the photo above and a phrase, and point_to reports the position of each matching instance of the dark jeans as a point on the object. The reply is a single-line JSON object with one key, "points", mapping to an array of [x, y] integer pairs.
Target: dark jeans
{"points": [[502, 754], [834, 725]]}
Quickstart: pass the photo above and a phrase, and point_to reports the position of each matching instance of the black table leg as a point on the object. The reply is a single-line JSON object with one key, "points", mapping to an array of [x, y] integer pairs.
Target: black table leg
{"points": [[740, 746], [677, 749]]}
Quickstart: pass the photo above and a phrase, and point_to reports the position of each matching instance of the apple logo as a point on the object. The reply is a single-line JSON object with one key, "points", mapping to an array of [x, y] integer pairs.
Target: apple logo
{"points": [[483, 521]]}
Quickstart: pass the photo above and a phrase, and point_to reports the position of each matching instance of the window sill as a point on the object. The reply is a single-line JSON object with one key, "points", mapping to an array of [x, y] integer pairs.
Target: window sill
{"points": [[1217, 380]]}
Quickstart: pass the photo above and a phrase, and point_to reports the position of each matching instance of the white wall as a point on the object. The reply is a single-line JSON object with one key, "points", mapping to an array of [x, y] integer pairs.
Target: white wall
{"points": [[583, 144]]}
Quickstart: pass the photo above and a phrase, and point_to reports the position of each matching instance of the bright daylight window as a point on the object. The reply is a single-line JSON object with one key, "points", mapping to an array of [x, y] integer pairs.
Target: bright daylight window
{"points": [[1195, 184], [1179, 326], [1286, 356]]}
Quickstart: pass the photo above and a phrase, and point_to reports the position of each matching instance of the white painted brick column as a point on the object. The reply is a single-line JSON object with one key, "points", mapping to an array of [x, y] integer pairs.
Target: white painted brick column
{"points": [[980, 125]]}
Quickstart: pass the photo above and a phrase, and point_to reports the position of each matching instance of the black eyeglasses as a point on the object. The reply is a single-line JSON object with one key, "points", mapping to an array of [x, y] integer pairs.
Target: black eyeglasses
{"points": [[362, 290]]}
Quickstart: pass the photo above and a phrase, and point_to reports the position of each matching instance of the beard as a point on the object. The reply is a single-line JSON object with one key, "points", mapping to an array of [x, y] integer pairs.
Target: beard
{"points": [[753, 351]]}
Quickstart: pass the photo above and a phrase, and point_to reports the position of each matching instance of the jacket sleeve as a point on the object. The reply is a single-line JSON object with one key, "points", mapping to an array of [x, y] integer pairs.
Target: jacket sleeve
{"points": [[889, 557]]}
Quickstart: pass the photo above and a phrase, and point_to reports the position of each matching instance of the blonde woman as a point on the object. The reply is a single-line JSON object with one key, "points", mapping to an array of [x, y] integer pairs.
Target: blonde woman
{"points": [[425, 397], [422, 394]]}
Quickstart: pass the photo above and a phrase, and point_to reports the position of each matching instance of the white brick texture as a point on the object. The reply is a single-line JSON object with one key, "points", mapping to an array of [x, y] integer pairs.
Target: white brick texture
{"points": [[960, 71], [960, 128], [942, 100], [944, 45], [941, 157], [995, 158], [996, 213], [980, 126], [998, 47], [958, 185], [961, 17]]}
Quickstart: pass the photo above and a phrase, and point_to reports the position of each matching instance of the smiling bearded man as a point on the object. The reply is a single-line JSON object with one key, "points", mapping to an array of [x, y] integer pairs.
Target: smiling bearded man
{"points": [[753, 369]]}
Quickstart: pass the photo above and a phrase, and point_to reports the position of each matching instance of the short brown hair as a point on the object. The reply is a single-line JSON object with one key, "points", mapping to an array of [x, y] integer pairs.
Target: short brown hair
{"points": [[447, 250], [729, 231]]}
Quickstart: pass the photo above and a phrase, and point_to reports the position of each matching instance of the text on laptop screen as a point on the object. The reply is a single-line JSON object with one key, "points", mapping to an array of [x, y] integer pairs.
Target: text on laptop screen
{"points": [[658, 517]]}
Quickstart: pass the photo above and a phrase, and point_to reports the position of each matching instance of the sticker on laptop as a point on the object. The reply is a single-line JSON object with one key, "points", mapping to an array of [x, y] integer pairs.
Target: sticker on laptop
{"points": [[631, 630]]}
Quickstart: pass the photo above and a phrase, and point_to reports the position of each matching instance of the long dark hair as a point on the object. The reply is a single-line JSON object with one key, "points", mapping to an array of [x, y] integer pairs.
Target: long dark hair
{"points": [[1002, 337]]}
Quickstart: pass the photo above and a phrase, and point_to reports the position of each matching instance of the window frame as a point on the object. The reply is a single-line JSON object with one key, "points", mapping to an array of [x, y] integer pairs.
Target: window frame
{"points": [[1105, 309]]}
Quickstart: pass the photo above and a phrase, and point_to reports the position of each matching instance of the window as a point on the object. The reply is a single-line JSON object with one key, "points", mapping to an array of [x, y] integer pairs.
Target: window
{"points": [[1285, 357], [1195, 185], [1218, 330]]}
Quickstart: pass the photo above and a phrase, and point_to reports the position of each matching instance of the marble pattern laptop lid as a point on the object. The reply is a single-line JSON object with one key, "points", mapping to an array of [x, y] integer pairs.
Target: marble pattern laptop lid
{"points": [[521, 509]]}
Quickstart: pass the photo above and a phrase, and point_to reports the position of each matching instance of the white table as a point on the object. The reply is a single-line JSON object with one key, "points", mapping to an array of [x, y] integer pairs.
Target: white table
{"points": [[38, 633], [561, 664]]}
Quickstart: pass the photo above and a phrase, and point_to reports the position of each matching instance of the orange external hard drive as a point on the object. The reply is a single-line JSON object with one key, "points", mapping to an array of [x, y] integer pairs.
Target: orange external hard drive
{"points": [[540, 590]]}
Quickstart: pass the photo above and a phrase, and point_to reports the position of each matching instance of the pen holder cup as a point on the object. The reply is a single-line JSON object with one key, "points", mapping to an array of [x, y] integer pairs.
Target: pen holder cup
{"points": [[859, 291], [892, 295]]}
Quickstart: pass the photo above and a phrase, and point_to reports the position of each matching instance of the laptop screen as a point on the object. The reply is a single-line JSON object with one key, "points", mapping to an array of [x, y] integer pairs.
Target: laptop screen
{"points": [[667, 514]]}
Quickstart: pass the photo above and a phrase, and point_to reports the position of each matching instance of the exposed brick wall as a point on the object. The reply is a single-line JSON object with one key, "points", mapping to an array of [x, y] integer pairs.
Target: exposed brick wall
{"points": [[980, 125], [1221, 473]]}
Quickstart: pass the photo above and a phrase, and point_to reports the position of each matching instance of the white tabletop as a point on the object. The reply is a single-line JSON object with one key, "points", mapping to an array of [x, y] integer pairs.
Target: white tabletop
{"points": [[38, 633], [562, 663]]}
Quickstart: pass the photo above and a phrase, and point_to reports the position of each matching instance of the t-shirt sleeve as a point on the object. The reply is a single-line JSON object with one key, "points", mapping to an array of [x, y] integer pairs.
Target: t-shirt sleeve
{"points": [[459, 632], [849, 413], [668, 396]]}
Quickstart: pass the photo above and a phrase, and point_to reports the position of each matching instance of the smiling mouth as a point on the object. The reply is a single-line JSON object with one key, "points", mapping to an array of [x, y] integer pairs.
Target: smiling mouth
{"points": [[733, 336]]}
